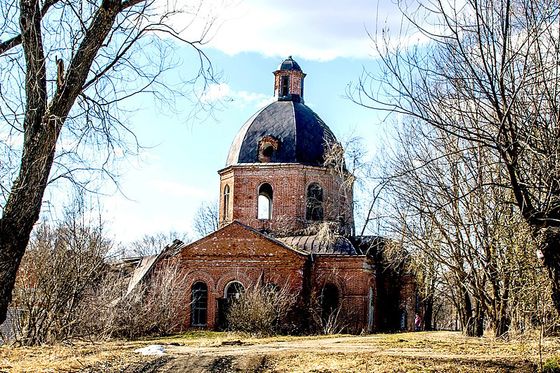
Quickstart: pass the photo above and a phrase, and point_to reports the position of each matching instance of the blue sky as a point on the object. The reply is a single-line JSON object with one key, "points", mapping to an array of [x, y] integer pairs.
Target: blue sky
{"points": [[177, 170]]}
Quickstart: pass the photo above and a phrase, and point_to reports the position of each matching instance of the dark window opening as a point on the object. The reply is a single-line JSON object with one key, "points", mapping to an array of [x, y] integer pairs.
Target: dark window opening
{"points": [[264, 208], [268, 150], [314, 211], [285, 86], [267, 146], [199, 304]]}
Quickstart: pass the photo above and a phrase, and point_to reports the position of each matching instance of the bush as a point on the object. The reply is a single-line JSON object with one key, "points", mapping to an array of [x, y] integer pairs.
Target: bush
{"points": [[151, 309], [60, 269], [551, 365], [260, 310]]}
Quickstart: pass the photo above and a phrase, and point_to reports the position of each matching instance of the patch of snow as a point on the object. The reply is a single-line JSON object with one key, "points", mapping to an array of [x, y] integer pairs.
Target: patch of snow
{"points": [[151, 350]]}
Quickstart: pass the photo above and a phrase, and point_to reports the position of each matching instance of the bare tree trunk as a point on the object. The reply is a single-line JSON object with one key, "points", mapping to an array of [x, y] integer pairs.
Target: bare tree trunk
{"points": [[428, 312], [550, 248], [42, 124]]}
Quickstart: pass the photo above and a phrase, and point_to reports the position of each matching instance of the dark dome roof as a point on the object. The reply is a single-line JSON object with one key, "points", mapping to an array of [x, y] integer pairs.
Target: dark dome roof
{"points": [[300, 133], [289, 64]]}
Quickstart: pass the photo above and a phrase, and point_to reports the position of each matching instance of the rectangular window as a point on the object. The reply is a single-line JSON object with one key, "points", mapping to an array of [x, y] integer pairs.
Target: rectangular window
{"points": [[285, 90]]}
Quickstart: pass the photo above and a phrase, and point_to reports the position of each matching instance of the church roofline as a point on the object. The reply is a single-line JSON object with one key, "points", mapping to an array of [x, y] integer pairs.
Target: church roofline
{"points": [[253, 230], [270, 165]]}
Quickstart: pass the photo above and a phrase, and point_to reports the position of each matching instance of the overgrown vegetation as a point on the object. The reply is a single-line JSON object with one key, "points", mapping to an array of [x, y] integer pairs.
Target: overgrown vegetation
{"points": [[67, 289], [153, 308], [261, 310]]}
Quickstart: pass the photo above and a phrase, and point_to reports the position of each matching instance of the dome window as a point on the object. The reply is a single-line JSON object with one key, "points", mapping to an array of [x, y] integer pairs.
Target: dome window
{"points": [[264, 208], [267, 147]]}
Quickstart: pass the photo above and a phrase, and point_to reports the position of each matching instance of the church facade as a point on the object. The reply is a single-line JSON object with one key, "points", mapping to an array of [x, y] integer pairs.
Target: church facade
{"points": [[286, 220]]}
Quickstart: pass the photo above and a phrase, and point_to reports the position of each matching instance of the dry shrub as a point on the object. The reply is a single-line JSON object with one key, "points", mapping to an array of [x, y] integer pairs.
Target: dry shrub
{"points": [[261, 310], [59, 271], [152, 308]]}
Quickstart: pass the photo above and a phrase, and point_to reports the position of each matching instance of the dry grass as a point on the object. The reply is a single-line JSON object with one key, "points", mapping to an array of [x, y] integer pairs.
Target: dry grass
{"points": [[81, 356], [226, 352], [418, 352]]}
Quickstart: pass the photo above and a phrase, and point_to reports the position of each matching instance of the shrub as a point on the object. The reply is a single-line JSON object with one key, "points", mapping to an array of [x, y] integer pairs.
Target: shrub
{"points": [[260, 310]]}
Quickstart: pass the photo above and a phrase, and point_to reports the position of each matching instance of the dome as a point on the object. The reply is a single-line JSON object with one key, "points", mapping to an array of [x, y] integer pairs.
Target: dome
{"points": [[289, 64], [282, 132]]}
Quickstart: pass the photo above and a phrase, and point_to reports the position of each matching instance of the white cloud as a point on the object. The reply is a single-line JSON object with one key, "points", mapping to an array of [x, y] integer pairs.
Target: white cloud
{"points": [[223, 92], [216, 92], [312, 30]]}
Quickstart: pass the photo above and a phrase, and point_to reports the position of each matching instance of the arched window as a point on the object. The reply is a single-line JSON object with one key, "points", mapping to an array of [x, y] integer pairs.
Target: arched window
{"points": [[226, 202], [314, 211], [264, 208], [234, 290], [329, 301], [199, 304]]}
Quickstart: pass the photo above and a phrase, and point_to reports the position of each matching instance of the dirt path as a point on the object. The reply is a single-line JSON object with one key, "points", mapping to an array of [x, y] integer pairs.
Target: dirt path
{"points": [[354, 354]]}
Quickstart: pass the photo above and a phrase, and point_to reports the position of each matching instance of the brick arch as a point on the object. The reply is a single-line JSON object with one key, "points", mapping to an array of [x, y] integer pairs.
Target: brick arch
{"points": [[201, 276], [333, 279], [232, 276]]}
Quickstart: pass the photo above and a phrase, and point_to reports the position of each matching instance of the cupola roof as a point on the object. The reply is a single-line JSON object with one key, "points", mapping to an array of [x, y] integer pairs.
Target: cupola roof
{"points": [[300, 136], [285, 131], [289, 64]]}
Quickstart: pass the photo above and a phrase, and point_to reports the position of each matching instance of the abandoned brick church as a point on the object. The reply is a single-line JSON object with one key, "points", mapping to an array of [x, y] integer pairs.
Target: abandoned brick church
{"points": [[286, 220]]}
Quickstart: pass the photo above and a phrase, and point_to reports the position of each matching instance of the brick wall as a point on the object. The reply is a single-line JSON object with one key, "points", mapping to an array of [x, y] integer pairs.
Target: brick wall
{"points": [[236, 253], [289, 183], [353, 276], [296, 82]]}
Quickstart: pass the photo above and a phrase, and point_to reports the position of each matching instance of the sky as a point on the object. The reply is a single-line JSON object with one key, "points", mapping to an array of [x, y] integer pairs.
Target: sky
{"points": [[177, 169]]}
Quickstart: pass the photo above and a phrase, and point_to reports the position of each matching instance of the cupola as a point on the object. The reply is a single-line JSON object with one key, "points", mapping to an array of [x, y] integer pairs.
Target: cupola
{"points": [[288, 81], [278, 177], [286, 130]]}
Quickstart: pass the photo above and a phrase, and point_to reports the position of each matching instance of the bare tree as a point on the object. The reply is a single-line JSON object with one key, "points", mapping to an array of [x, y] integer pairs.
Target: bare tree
{"points": [[59, 271], [206, 219], [467, 241], [152, 244], [66, 68], [486, 71]]}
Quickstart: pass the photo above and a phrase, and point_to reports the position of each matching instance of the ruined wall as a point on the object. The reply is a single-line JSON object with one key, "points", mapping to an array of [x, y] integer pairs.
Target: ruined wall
{"points": [[354, 278]]}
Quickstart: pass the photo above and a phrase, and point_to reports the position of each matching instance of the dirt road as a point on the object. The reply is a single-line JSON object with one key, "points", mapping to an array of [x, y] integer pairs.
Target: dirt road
{"points": [[373, 353]]}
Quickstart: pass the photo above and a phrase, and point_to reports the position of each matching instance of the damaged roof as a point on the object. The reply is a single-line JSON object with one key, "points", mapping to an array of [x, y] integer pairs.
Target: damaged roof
{"points": [[317, 245]]}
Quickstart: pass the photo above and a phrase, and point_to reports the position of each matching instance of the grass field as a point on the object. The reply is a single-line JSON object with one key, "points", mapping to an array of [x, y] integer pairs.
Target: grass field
{"points": [[226, 352]]}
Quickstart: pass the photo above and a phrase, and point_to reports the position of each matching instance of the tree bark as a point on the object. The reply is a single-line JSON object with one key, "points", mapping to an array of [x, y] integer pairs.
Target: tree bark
{"points": [[550, 248], [428, 312], [42, 125]]}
